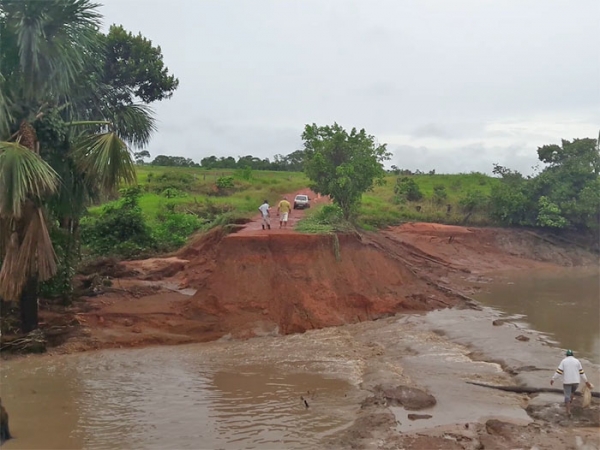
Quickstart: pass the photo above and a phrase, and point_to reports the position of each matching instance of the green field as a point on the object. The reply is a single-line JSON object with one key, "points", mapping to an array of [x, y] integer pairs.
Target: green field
{"points": [[173, 203], [197, 187], [379, 207]]}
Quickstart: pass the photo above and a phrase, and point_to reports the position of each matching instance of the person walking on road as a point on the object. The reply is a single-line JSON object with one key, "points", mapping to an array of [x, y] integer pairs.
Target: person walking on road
{"points": [[265, 210], [571, 370], [284, 209]]}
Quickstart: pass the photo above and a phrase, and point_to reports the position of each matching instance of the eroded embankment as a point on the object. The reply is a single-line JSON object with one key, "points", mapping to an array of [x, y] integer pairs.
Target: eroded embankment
{"points": [[247, 284], [292, 283]]}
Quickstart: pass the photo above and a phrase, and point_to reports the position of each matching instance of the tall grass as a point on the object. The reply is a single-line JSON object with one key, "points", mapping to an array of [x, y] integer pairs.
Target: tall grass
{"points": [[381, 208]]}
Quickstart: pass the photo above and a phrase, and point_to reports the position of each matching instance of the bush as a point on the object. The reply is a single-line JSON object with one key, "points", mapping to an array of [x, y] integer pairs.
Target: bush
{"points": [[406, 189], [549, 214], [174, 229], [119, 230], [244, 173], [328, 219], [178, 181], [473, 201], [439, 194], [225, 183]]}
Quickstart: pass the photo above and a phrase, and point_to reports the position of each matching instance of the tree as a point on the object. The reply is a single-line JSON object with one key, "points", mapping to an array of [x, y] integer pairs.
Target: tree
{"points": [[565, 194], [133, 68], [342, 165], [51, 162], [173, 161], [140, 156]]}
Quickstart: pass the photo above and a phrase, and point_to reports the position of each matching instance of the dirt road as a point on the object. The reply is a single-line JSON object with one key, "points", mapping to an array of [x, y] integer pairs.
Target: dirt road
{"points": [[255, 226]]}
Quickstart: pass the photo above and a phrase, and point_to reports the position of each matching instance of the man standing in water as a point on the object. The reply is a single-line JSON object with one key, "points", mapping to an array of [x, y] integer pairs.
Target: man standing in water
{"points": [[283, 211], [571, 370], [265, 210]]}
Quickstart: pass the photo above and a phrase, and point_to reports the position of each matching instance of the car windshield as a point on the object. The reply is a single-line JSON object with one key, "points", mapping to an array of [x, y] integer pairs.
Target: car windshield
{"points": [[301, 197]]}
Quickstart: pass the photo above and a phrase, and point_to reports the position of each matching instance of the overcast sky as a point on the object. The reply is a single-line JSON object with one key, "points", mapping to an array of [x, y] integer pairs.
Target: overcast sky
{"points": [[449, 85]]}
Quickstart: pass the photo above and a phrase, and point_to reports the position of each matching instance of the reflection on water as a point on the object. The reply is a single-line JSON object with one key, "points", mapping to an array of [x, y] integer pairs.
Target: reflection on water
{"points": [[166, 398], [564, 305]]}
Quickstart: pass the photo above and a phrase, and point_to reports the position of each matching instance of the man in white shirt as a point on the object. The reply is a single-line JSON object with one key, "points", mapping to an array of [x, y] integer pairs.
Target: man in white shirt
{"points": [[571, 370], [265, 211]]}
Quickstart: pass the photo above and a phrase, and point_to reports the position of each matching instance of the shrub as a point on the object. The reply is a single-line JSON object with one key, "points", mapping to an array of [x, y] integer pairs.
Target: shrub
{"points": [[245, 173], [328, 219], [178, 181], [549, 214], [407, 189], [174, 229], [473, 201], [439, 194], [225, 183], [119, 230]]}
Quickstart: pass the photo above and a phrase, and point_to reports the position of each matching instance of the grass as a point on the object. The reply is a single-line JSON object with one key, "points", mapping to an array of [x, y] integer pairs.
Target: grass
{"points": [[379, 208], [197, 187]]}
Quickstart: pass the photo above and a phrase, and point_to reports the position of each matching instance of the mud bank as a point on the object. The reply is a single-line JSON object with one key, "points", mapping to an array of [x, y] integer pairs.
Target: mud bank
{"points": [[254, 283]]}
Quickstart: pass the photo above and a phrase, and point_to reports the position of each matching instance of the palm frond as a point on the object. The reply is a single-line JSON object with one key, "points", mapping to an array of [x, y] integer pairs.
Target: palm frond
{"points": [[106, 159], [35, 255], [5, 110], [23, 175], [55, 40], [134, 123], [11, 281]]}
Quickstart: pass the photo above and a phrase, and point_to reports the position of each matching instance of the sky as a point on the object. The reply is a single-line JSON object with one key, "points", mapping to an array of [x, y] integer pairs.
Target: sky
{"points": [[454, 86]]}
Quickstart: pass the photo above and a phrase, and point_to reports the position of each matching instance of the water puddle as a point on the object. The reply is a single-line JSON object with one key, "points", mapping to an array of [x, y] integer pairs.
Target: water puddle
{"points": [[177, 397]]}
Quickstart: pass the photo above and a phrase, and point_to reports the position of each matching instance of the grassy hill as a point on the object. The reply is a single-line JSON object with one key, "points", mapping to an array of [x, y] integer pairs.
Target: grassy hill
{"points": [[382, 206], [188, 189], [173, 203]]}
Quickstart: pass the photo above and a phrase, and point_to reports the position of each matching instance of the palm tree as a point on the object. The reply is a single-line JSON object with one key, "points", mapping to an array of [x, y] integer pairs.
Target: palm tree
{"points": [[46, 47]]}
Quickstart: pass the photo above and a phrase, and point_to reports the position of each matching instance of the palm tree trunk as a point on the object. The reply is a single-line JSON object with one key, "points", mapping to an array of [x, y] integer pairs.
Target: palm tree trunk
{"points": [[29, 305]]}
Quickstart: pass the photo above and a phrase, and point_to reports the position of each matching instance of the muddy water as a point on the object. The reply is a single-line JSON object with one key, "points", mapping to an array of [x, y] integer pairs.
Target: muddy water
{"points": [[177, 397], [565, 305]]}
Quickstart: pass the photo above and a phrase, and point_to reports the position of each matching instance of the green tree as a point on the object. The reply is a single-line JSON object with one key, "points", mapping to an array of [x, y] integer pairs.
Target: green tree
{"points": [[343, 165], [52, 163], [140, 156], [134, 68], [173, 161]]}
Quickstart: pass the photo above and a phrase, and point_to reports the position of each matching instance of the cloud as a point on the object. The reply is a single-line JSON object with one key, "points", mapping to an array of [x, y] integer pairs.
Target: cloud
{"points": [[466, 82], [476, 157]]}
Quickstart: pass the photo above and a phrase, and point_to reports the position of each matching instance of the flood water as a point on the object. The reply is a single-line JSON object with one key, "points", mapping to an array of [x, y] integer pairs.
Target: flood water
{"points": [[168, 397], [234, 395], [565, 305]]}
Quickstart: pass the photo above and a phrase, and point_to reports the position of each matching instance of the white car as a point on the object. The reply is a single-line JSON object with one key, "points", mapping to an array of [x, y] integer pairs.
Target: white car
{"points": [[301, 201]]}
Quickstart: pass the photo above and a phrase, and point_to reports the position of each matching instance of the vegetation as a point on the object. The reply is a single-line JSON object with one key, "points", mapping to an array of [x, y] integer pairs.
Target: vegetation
{"points": [[564, 195], [173, 203], [342, 165], [70, 107], [325, 219], [294, 162]]}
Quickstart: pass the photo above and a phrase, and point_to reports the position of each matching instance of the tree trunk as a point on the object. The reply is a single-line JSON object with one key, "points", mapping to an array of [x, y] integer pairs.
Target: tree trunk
{"points": [[527, 390], [29, 305]]}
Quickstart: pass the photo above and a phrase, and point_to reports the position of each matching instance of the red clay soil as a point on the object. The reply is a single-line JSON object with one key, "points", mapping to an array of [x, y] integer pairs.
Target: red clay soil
{"points": [[293, 283], [257, 282]]}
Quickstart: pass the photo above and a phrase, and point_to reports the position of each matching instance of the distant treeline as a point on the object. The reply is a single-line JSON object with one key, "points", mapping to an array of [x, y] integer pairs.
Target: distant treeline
{"points": [[294, 162]]}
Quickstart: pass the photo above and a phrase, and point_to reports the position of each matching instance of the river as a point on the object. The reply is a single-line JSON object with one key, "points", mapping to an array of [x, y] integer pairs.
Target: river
{"points": [[254, 394], [563, 304]]}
